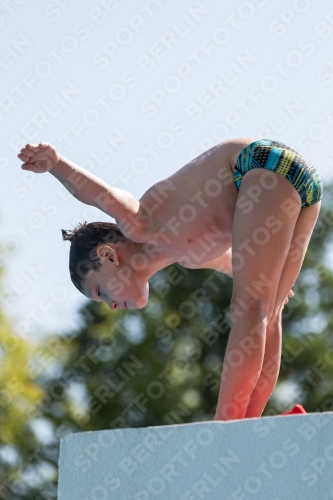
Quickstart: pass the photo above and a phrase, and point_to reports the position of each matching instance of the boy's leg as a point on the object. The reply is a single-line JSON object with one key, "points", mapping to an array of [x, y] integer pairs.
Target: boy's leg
{"points": [[272, 359], [269, 371], [261, 241]]}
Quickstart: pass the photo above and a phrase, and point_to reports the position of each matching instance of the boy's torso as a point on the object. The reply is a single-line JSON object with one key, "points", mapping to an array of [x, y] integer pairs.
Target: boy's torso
{"points": [[190, 214]]}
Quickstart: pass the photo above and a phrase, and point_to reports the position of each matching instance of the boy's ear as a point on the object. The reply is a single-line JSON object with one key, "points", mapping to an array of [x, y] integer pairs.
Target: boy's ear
{"points": [[107, 252]]}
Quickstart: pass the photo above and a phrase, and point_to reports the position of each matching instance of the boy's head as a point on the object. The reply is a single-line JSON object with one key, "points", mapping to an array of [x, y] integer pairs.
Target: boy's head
{"points": [[98, 265]]}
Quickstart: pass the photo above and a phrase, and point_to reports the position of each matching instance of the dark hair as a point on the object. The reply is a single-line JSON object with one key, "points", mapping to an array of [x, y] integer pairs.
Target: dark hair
{"points": [[85, 239]]}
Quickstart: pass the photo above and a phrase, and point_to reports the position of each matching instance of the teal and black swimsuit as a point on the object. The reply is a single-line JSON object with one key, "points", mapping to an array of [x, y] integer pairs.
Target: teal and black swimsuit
{"points": [[286, 161]]}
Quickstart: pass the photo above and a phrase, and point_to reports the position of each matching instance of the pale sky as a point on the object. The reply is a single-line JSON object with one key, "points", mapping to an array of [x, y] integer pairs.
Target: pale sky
{"points": [[132, 91]]}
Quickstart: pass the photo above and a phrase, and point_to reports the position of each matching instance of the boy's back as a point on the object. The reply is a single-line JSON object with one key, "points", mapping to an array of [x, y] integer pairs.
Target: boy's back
{"points": [[190, 214]]}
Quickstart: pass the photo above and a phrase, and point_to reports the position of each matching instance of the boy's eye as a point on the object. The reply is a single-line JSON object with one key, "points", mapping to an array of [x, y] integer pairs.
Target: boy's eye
{"points": [[98, 292]]}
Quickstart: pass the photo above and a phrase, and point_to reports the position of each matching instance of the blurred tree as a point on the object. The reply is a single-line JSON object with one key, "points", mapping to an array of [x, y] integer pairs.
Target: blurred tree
{"points": [[162, 364], [20, 396]]}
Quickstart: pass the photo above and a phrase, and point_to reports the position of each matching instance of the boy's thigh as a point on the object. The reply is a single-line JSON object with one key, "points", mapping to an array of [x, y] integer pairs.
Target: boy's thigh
{"points": [[265, 216], [301, 237]]}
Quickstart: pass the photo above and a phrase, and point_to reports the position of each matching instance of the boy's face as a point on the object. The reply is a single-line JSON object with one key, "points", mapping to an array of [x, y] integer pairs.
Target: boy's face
{"points": [[117, 286]]}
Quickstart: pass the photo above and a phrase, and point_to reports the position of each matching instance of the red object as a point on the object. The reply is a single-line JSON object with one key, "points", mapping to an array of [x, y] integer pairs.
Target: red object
{"points": [[296, 410]]}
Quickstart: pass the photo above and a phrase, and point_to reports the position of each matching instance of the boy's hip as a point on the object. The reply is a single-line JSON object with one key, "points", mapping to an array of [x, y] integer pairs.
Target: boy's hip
{"points": [[284, 160]]}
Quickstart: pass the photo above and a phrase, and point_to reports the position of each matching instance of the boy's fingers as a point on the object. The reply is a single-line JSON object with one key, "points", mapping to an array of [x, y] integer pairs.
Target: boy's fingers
{"points": [[23, 157], [35, 148], [32, 158], [38, 156], [32, 147], [27, 152]]}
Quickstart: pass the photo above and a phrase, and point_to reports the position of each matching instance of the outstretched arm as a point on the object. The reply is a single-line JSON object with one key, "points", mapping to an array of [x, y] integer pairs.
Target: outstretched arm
{"points": [[86, 187]]}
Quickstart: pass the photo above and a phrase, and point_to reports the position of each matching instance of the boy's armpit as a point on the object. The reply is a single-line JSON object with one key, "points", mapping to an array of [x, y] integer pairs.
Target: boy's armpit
{"points": [[135, 226]]}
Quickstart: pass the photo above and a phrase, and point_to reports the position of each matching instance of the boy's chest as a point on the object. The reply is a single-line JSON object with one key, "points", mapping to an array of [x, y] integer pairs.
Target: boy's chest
{"points": [[192, 221]]}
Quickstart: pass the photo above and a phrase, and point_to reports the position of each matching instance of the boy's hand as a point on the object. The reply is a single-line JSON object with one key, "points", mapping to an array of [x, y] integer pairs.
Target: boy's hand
{"points": [[290, 294], [38, 159]]}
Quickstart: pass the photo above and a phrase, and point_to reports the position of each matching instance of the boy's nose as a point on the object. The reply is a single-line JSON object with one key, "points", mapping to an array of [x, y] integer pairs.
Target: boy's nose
{"points": [[113, 305]]}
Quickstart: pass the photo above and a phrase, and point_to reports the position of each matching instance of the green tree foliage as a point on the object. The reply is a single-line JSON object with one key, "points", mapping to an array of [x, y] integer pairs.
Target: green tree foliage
{"points": [[20, 396], [162, 365]]}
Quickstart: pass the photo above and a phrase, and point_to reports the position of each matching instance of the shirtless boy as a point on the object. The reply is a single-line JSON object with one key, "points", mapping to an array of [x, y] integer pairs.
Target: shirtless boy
{"points": [[209, 214]]}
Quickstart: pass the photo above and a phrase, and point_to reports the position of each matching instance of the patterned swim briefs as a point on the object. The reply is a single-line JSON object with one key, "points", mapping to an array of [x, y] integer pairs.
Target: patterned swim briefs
{"points": [[276, 156]]}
